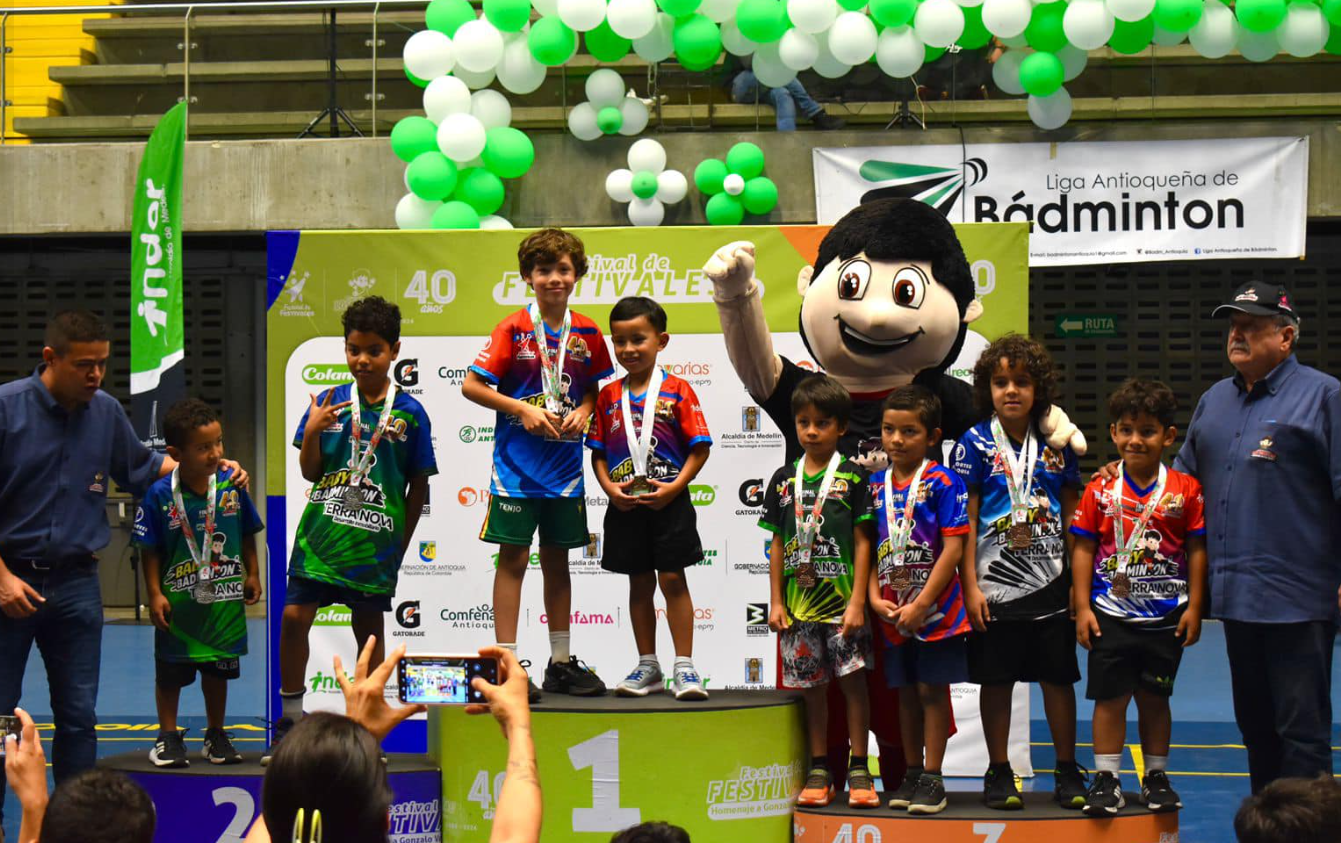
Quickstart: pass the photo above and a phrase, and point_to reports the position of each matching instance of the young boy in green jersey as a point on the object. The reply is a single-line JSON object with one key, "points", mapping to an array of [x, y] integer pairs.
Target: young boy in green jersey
{"points": [[197, 536], [367, 448]]}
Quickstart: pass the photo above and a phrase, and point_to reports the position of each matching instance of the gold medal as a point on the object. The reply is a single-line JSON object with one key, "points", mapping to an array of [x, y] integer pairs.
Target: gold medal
{"points": [[1020, 537]]}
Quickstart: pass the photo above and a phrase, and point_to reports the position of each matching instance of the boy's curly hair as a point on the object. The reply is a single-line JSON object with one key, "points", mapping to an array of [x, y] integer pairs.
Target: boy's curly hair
{"points": [[1138, 395], [1017, 350], [546, 246]]}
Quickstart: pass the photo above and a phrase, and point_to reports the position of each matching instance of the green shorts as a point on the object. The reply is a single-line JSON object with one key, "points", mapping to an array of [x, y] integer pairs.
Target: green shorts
{"points": [[562, 521]]}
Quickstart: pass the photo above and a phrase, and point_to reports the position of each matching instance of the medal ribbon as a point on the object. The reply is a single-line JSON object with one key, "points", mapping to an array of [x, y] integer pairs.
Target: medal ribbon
{"points": [[551, 367], [359, 463], [640, 444], [202, 559], [1125, 545], [1019, 469], [807, 525], [898, 537]]}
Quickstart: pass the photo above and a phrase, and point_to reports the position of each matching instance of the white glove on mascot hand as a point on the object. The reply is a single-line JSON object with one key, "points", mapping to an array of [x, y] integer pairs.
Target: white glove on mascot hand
{"points": [[731, 269]]}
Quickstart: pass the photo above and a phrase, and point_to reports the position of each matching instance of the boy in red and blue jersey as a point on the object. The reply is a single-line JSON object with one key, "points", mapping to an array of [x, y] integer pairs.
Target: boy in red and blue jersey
{"points": [[540, 371]]}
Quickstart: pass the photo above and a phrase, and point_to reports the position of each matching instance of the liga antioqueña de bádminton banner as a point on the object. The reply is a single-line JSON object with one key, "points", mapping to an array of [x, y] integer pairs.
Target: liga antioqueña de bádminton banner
{"points": [[157, 332]]}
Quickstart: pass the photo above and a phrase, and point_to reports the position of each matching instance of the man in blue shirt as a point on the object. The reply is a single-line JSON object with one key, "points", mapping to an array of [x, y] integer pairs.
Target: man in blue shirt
{"points": [[1266, 446]]}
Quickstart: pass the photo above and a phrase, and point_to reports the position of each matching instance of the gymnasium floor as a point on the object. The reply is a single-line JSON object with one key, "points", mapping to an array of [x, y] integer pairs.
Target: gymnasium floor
{"points": [[1207, 765]]}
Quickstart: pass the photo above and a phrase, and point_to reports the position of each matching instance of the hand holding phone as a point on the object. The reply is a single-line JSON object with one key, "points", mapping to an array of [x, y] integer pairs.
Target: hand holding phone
{"points": [[444, 679], [9, 725]]}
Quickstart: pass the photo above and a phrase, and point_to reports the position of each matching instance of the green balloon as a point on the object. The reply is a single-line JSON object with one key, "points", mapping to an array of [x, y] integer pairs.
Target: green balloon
{"points": [[431, 175], [455, 214], [644, 185], [423, 83], [609, 119], [551, 41], [1041, 74], [508, 152], [746, 160], [893, 12], [931, 53], [1178, 15], [709, 175], [1130, 38], [761, 21], [679, 8], [852, 5], [760, 195], [480, 189], [724, 209], [1260, 15], [605, 44], [1333, 44], [1045, 31], [698, 42], [975, 32], [446, 16], [412, 137], [1331, 9], [508, 15]]}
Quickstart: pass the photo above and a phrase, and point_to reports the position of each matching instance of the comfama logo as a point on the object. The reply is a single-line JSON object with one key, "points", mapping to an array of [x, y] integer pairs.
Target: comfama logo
{"points": [[701, 495], [326, 374], [477, 617], [939, 187], [578, 618]]}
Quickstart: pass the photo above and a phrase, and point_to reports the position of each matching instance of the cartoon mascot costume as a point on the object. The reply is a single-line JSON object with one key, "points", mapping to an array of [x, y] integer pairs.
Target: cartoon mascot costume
{"points": [[887, 303]]}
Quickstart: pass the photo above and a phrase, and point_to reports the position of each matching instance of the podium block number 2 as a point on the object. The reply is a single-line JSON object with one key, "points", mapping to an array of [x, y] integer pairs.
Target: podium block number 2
{"points": [[244, 811], [601, 754]]}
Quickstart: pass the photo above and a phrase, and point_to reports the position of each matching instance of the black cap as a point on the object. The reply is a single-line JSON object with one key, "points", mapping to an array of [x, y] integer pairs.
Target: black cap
{"points": [[1259, 299]]}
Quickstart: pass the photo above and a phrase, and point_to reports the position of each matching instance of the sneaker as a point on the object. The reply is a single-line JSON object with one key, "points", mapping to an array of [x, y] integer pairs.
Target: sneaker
{"points": [[642, 680], [572, 677], [902, 797], [219, 748], [687, 685], [826, 121], [818, 790], [1158, 794], [861, 789], [999, 790], [532, 692], [1105, 796], [1071, 784], [170, 750], [929, 797], [282, 727]]}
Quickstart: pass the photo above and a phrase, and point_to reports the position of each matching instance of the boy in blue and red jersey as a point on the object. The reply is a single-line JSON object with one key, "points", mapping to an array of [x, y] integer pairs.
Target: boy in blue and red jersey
{"points": [[539, 371], [921, 517], [651, 531]]}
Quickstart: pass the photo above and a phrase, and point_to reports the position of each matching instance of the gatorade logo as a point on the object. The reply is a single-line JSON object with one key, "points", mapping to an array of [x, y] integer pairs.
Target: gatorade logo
{"points": [[407, 372], [326, 374], [700, 495], [408, 616]]}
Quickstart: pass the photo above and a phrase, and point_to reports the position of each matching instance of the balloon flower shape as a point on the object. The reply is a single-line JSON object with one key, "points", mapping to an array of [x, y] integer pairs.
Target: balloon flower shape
{"points": [[608, 109], [736, 186], [646, 185]]}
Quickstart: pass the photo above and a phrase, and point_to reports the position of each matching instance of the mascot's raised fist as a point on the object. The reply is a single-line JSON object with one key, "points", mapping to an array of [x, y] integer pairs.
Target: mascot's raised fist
{"points": [[731, 269], [1059, 431]]}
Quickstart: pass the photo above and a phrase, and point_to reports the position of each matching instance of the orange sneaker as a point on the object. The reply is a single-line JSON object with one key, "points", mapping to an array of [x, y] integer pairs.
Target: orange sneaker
{"points": [[861, 789], [818, 791]]}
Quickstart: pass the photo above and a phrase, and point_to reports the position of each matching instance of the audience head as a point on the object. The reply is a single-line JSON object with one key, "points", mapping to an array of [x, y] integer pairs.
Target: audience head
{"points": [[652, 832], [1292, 811], [99, 806]]}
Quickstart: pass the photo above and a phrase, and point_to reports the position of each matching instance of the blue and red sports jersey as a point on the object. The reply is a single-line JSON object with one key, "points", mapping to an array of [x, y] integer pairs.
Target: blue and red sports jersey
{"points": [[527, 466], [1158, 567], [941, 510], [679, 426]]}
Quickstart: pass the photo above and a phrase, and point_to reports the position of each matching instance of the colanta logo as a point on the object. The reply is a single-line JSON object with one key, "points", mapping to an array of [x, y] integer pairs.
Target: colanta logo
{"points": [[407, 372], [326, 374], [335, 615], [408, 616], [701, 495], [939, 187]]}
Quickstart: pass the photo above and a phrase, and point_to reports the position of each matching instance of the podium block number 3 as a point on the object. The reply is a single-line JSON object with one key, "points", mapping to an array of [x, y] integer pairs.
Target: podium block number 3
{"points": [[601, 754], [244, 811]]}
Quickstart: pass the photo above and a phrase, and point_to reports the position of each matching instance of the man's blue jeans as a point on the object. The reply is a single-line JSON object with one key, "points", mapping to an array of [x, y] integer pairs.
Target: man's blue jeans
{"points": [[787, 100], [68, 631]]}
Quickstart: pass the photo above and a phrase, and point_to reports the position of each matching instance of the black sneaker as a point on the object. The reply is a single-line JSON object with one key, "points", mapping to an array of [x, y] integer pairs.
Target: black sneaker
{"points": [[1072, 782], [282, 727], [826, 121], [999, 791], [532, 692], [170, 750], [1158, 794], [1105, 796], [903, 795], [574, 678], [929, 798], [219, 748]]}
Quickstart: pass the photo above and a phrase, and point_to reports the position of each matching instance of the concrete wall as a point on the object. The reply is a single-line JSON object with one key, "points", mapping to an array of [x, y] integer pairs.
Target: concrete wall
{"points": [[237, 186]]}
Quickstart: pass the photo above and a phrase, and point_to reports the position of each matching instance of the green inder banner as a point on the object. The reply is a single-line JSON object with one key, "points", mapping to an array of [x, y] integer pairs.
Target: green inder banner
{"points": [[156, 322]]}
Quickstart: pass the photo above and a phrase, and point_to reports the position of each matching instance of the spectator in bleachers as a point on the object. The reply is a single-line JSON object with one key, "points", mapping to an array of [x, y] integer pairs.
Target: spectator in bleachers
{"points": [[787, 101]]}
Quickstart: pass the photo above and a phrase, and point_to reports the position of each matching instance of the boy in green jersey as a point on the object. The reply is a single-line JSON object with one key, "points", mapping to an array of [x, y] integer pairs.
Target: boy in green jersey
{"points": [[197, 535]]}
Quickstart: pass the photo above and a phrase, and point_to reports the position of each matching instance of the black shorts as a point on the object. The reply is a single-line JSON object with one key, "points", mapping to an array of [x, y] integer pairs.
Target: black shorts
{"points": [[181, 674], [1025, 651], [1126, 657], [644, 540]]}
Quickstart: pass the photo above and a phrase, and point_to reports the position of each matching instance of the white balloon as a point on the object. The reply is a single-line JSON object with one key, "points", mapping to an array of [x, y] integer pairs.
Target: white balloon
{"points": [[852, 38], [406, 178], [969, 3], [493, 222], [1006, 18], [812, 16], [582, 122], [1167, 38], [546, 8], [631, 19], [582, 15], [479, 45], [718, 11], [1050, 112], [825, 64], [768, 67], [899, 53], [734, 42], [519, 72], [656, 45], [491, 108], [1088, 24], [474, 81], [413, 212], [672, 186], [1216, 33], [1257, 46], [798, 50], [1006, 71], [939, 23], [429, 54], [1073, 61], [634, 112], [646, 212], [734, 184], [461, 137], [446, 95], [605, 87], [619, 185], [647, 155], [1130, 10], [1304, 31]]}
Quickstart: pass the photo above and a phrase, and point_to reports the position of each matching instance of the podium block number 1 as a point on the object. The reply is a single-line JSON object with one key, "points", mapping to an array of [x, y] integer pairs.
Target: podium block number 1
{"points": [[601, 754]]}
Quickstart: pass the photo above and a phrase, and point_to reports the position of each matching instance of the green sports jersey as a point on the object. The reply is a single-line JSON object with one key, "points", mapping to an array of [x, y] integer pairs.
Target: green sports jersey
{"points": [[832, 555], [205, 627]]}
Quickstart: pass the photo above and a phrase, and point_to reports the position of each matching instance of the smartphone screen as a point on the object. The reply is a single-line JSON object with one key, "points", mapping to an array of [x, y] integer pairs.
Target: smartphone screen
{"points": [[444, 680], [9, 725]]}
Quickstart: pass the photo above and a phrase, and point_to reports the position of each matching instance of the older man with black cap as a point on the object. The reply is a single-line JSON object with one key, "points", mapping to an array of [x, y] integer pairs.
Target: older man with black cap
{"points": [[1266, 446]]}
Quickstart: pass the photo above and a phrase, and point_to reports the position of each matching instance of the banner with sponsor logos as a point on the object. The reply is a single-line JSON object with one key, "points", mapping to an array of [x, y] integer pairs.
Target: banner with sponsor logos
{"points": [[1096, 202], [452, 288]]}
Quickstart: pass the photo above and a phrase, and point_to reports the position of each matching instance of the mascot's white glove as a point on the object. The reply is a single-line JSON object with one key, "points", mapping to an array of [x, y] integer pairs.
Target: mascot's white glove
{"points": [[731, 269], [1059, 431]]}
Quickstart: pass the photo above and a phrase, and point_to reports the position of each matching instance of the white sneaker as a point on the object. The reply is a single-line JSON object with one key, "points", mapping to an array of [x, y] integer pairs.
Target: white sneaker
{"points": [[687, 685], [641, 681]]}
